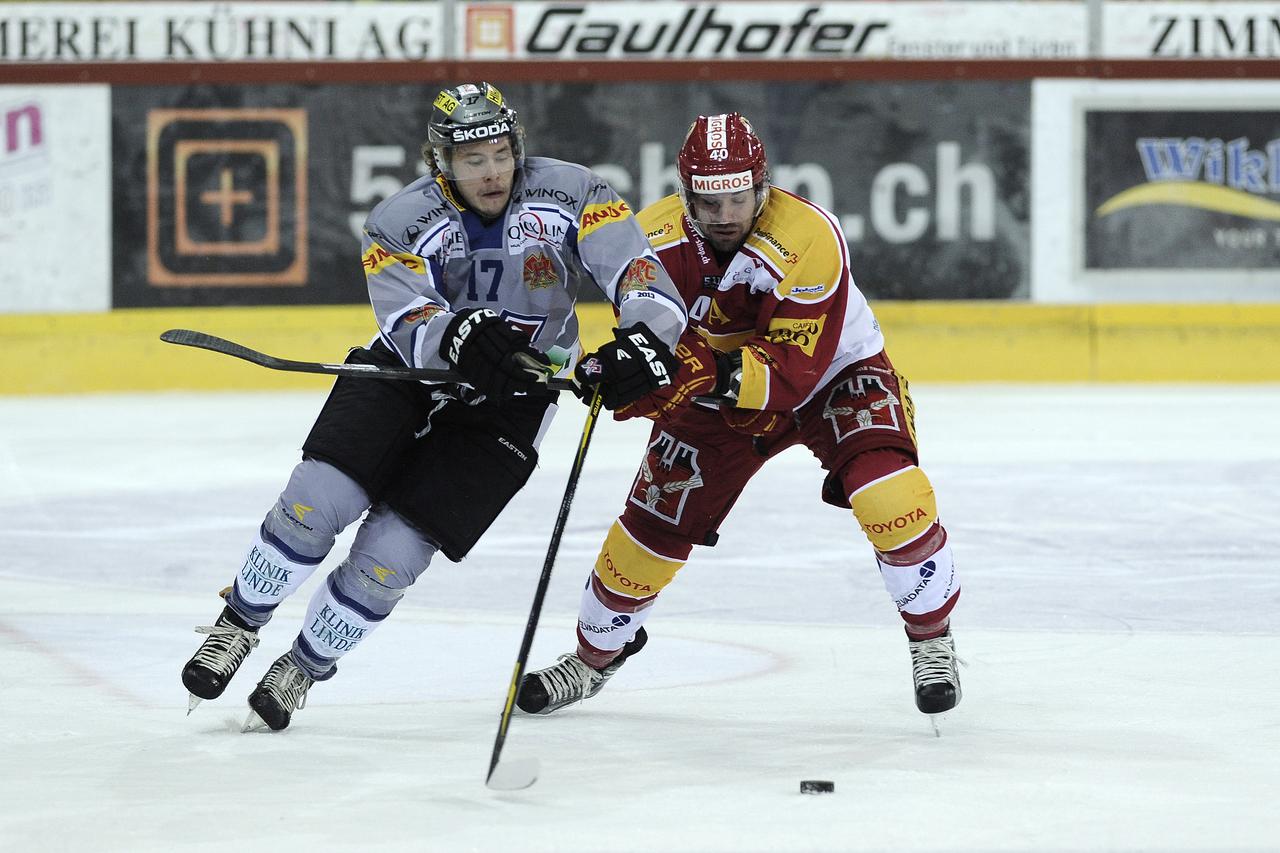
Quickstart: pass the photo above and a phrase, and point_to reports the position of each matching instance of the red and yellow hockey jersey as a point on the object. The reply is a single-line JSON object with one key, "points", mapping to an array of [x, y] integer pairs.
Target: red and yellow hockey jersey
{"points": [[786, 299]]}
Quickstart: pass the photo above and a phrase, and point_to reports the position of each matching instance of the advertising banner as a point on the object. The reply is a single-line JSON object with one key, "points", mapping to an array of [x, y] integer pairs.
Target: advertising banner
{"points": [[1156, 191], [1140, 29], [1182, 189], [668, 29], [221, 32], [257, 196], [55, 198]]}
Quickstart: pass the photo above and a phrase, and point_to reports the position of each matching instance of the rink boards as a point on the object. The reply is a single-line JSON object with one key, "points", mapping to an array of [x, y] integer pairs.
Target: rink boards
{"points": [[934, 341]]}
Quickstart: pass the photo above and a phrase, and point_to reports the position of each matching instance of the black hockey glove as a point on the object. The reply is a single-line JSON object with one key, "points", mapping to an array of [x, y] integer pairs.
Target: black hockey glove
{"points": [[493, 357], [633, 364]]}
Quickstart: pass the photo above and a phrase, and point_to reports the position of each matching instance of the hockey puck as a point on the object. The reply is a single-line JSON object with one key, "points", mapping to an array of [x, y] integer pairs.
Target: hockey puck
{"points": [[817, 786]]}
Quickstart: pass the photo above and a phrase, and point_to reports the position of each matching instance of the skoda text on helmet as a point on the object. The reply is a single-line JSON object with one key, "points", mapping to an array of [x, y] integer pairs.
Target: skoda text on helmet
{"points": [[472, 112], [721, 154]]}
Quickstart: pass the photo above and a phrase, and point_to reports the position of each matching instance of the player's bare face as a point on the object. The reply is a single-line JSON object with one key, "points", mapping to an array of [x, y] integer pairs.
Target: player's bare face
{"points": [[483, 173], [725, 218]]}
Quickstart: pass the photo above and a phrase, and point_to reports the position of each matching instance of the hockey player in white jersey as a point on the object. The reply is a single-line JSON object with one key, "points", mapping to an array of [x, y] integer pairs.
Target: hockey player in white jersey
{"points": [[475, 267]]}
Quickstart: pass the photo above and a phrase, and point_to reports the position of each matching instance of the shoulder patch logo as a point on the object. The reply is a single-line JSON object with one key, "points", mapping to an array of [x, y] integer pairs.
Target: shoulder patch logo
{"points": [[596, 215], [377, 259]]}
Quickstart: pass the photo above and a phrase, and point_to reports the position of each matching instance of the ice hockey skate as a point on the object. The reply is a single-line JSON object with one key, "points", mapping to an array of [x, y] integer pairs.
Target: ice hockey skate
{"points": [[209, 671], [570, 680], [281, 691], [936, 674]]}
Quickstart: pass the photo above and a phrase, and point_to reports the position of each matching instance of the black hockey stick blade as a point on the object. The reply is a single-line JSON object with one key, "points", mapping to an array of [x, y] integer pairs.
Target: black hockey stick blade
{"points": [[202, 340], [522, 773]]}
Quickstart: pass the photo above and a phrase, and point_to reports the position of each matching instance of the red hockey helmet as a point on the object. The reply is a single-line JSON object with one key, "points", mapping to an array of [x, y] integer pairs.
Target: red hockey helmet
{"points": [[722, 154]]}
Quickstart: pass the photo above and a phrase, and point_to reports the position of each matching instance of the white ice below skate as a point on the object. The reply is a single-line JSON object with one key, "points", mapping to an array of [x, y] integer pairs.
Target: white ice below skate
{"points": [[513, 774]]}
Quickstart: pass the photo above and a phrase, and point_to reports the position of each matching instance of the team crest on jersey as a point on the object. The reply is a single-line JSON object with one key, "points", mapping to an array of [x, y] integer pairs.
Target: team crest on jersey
{"points": [[669, 471], [539, 272], [860, 403], [640, 273]]}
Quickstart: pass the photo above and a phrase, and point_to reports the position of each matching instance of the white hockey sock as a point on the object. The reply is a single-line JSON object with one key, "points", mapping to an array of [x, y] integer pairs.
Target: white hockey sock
{"points": [[602, 630], [335, 624], [272, 571], [924, 587]]}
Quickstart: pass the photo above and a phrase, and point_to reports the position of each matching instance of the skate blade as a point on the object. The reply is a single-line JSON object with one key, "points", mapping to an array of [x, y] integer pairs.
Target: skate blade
{"points": [[192, 701], [254, 723], [513, 775], [935, 721]]}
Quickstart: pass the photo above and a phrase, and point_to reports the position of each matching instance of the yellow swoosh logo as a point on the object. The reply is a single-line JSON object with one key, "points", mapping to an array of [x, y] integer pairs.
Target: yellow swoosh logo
{"points": [[1193, 194]]}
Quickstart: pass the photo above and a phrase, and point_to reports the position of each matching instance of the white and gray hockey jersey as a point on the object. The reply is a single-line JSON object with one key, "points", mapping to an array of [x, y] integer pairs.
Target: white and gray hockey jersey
{"points": [[426, 255]]}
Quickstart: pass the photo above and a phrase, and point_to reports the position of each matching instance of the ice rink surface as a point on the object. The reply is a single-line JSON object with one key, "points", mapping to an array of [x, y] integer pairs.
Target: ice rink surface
{"points": [[1118, 553]]}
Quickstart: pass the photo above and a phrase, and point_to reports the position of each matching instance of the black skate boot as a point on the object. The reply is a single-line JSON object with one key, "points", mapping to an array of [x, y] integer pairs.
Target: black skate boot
{"points": [[570, 680], [936, 675], [281, 691], [219, 657]]}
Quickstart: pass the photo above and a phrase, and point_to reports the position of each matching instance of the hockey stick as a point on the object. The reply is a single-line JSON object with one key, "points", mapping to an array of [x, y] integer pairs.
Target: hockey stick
{"points": [[522, 773], [189, 338]]}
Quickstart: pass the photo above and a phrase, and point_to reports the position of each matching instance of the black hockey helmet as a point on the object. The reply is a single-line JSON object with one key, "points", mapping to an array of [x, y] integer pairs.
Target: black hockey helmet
{"points": [[471, 112]]}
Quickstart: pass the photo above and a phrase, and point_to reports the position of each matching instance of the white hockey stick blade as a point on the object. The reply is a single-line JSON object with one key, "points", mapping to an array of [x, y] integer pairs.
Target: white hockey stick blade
{"points": [[513, 775]]}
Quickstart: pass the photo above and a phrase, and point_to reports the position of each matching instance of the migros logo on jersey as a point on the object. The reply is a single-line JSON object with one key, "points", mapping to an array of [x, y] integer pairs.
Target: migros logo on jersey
{"points": [[595, 215], [722, 183]]}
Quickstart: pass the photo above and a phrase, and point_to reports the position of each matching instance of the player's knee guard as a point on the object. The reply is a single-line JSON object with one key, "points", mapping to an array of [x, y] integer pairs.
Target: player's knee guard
{"points": [[899, 514], [628, 576], [295, 537], [388, 555]]}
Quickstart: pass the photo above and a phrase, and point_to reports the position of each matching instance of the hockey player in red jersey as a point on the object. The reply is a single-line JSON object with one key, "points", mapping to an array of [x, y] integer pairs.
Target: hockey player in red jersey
{"points": [[780, 334]]}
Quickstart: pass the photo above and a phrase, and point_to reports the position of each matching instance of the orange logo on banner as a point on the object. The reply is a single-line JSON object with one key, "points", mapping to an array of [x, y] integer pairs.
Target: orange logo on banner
{"points": [[490, 31], [226, 197]]}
